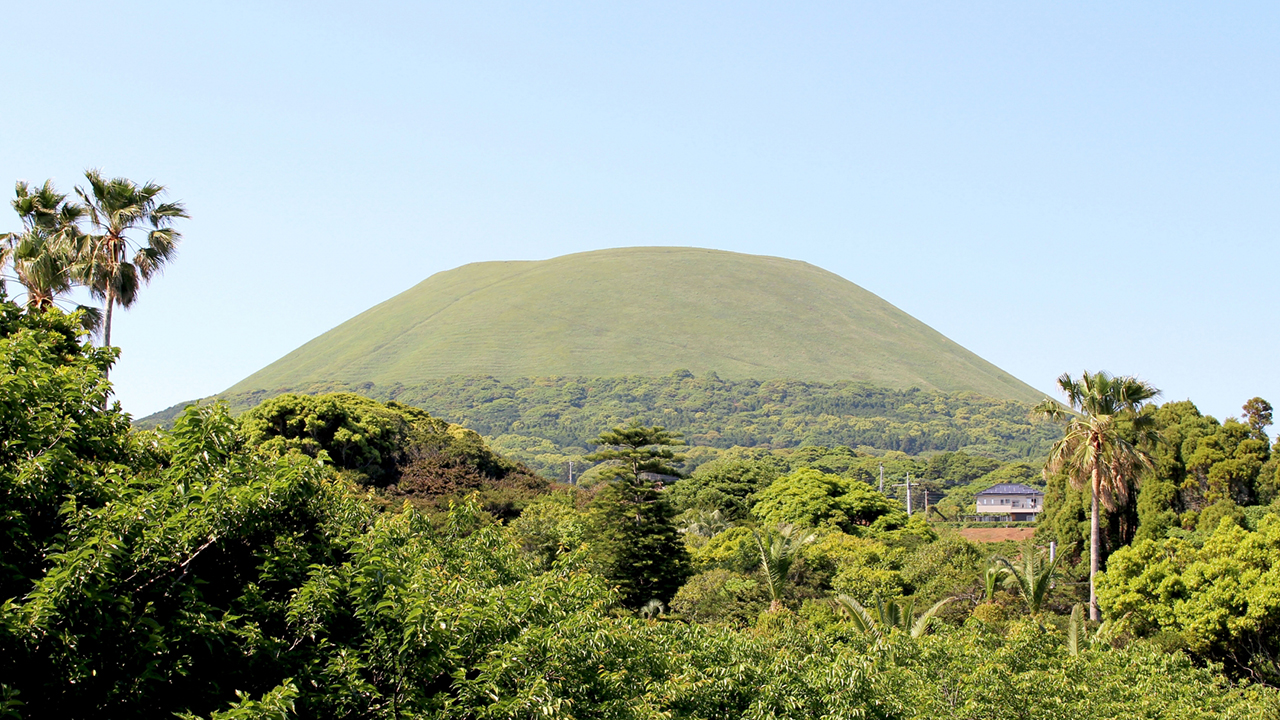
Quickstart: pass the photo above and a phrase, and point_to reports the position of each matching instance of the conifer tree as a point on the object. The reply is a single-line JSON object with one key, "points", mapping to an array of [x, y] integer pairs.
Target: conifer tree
{"points": [[635, 542]]}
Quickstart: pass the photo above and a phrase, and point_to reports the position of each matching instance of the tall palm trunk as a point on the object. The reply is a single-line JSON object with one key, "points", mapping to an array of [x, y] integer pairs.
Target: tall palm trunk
{"points": [[1095, 551], [106, 322]]}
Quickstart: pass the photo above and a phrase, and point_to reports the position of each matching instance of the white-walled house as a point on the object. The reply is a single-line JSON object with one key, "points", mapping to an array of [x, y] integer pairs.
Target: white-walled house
{"points": [[1009, 502]]}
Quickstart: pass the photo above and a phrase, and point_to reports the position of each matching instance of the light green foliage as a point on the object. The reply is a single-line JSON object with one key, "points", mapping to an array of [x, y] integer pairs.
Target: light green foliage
{"points": [[1027, 673], [728, 485], [1032, 574], [734, 550], [1221, 600], [947, 567], [548, 528], [722, 596], [859, 567], [887, 616], [779, 549], [811, 498]]}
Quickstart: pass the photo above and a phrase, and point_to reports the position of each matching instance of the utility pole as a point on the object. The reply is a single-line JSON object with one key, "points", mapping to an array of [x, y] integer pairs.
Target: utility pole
{"points": [[908, 485], [881, 478], [570, 472]]}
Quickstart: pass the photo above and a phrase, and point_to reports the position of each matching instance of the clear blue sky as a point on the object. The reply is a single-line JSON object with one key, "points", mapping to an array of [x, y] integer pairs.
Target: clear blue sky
{"points": [[1054, 186]]}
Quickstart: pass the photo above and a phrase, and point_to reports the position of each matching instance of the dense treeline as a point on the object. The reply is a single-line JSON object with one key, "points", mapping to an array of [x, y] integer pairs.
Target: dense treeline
{"points": [[548, 422], [253, 567]]}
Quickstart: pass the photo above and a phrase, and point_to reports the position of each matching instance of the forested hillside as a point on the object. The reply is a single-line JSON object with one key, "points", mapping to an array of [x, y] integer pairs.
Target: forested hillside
{"points": [[548, 422]]}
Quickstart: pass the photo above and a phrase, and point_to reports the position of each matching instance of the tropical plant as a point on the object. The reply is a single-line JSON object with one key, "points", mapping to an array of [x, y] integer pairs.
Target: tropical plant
{"points": [[993, 575], [778, 553], [889, 615], [110, 261], [43, 253], [1033, 576], [1074, 629], [703, 524], [1096, 450]]}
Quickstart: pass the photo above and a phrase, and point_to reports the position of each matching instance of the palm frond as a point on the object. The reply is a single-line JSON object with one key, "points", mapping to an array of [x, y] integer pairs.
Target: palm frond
{"points": [[1073, 629], [922, 623], [859, 616]]}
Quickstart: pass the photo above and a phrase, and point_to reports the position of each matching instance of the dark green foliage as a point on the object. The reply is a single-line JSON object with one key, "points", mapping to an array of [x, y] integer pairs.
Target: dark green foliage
{"points": [[633, 542], [194, 574], [350, 431], [55, 440], [1216, 594], [635, 452], [632, 525], [401, 450], [1201, 463], [953, 468], [727, 484]]}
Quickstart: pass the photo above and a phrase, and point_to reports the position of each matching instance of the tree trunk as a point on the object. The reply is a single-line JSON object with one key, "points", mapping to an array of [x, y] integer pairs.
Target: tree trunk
{"points": [[1095, 551], [106, 321]]}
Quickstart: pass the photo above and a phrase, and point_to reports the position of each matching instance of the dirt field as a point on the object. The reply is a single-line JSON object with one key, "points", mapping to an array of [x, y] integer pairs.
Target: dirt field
{"points": [[997, 534]]}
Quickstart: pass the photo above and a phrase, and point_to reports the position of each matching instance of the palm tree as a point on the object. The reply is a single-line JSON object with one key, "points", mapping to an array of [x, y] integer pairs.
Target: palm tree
{"points": [[992, 575], [705, 524], [43, 254], [1095, 451], [111, 262], [889, 615], [1033, 576], [778, 555]]}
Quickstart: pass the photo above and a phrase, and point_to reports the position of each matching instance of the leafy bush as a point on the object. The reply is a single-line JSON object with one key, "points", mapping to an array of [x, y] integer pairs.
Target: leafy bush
{"points": [[811, 498]]}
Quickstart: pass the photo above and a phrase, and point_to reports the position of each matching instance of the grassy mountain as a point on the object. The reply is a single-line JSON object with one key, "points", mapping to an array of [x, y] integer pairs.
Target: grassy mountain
{"points": [[638, 311]]}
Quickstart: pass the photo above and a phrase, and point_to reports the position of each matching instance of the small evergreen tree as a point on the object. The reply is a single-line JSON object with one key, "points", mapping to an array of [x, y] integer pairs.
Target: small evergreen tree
{"points": [[635, 544]]}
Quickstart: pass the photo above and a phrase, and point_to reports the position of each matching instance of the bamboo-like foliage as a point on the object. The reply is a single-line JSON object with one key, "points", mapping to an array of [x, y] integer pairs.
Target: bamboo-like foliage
{"points": [[1096, 451], [110, 261], [778, 552], [889, 615], [1033, 576]]}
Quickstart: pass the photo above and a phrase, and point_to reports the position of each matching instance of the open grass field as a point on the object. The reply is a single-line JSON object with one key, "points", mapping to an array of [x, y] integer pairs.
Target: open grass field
{"points": [[639, 311]]}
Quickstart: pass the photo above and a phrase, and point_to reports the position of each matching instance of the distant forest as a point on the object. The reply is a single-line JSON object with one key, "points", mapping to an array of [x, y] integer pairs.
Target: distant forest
{"points": [[546, 422]]}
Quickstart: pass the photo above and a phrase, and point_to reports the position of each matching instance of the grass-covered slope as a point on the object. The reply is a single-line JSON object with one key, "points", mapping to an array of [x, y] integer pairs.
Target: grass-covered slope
{"points": [[638, 311]]}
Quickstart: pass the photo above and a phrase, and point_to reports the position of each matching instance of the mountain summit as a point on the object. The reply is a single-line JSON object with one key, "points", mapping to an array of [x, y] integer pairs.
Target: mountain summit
{"points": [[638, 311]]}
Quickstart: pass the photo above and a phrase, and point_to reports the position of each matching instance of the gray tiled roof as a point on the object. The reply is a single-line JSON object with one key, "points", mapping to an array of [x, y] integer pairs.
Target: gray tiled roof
{"points": [[1010, 489]]}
